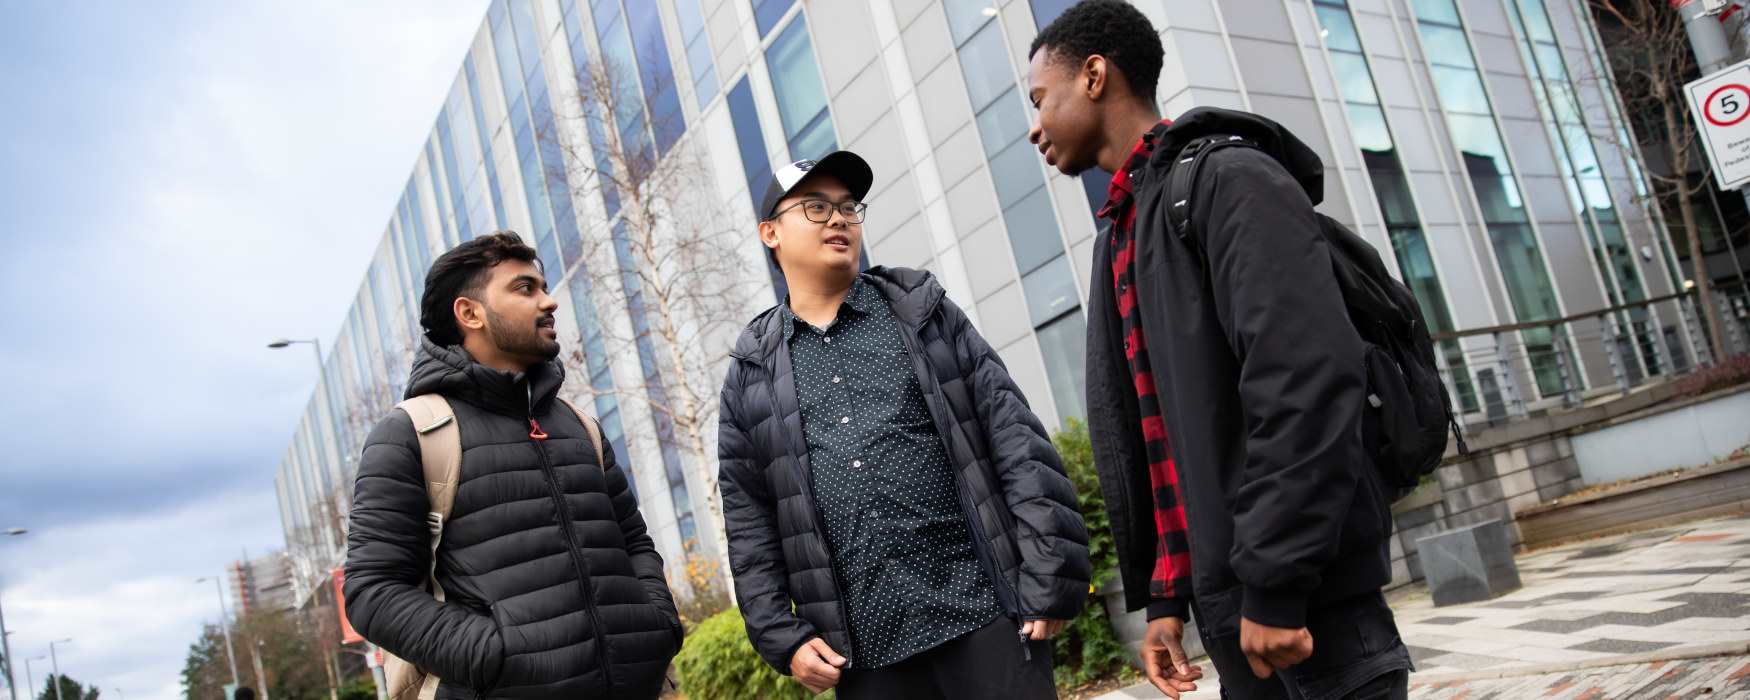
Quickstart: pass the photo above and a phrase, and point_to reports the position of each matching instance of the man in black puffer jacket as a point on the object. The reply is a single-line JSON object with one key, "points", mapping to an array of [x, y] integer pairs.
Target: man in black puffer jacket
{"points": [[553, 588], [895, 511]]}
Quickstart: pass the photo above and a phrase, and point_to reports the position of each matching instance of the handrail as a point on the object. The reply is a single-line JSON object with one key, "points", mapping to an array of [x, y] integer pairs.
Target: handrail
{"points": [[1546, 323]]}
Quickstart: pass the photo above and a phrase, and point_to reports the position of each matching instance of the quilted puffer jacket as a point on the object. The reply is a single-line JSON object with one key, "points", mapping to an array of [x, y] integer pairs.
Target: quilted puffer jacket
{"points": [[1012, 487], [553, 587]]}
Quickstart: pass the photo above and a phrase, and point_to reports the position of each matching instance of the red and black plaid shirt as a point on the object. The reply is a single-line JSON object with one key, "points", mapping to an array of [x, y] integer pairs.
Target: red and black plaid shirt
{"points": [[1171, 578]]}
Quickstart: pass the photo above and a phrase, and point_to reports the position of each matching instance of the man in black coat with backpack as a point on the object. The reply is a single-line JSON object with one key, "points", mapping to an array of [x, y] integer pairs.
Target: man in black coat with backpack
{"points": [[1226, 381], [548, 584]]}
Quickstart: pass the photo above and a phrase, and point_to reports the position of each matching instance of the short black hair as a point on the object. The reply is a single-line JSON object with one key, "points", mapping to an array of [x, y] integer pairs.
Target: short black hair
{"points": [[1110, 28], [462, 272]]}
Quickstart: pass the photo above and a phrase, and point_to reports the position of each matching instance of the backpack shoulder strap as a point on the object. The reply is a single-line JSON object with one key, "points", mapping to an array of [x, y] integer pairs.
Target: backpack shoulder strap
{"points": [[593, 428], [440, 453], [1182, 177]]}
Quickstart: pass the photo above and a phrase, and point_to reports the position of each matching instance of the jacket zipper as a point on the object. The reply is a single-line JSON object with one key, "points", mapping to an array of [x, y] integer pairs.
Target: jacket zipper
{"points": [[971, 513], [539, 437]]}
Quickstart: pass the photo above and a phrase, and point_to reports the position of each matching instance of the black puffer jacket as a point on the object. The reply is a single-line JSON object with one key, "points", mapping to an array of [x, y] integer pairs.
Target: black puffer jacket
{"points": [[1021, 506], [553, 587]]}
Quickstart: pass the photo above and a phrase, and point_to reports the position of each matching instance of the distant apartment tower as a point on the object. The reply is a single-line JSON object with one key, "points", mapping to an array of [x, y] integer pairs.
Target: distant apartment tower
{"points": [[262, 584], [1470, 141]]}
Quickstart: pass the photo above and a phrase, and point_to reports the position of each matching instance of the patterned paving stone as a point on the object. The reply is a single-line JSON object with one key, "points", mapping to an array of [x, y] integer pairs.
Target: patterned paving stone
{"points": [[1659, 590]]}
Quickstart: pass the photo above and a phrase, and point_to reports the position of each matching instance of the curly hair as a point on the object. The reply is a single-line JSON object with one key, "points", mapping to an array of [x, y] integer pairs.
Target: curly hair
{"points": [[1109, 28], [462, 272]]}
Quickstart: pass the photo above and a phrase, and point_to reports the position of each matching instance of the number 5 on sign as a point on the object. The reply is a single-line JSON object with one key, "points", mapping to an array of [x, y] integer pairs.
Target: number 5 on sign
{"points": [[1720, 104]]}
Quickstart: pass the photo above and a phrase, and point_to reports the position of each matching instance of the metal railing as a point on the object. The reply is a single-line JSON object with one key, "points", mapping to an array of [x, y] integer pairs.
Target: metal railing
{"points": [[1500, 372]]}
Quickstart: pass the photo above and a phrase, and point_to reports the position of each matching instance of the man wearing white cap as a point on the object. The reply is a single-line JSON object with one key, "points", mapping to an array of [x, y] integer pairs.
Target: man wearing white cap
{"points": [[899, 524]]}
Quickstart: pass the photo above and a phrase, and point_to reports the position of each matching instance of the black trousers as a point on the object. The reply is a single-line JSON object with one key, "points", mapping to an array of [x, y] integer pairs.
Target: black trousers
{"points": [[1357, 655], [989, 662]]}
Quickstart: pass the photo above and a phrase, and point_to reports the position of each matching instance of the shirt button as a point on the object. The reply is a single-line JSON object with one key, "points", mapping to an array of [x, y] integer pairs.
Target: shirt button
{"points": [[836, 380], [1122, 286], [827, 339], [844, 420], [856, 463]]}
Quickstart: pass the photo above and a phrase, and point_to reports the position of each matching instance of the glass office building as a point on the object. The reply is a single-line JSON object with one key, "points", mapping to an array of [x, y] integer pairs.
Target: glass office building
{"points": [[1472, 141]]}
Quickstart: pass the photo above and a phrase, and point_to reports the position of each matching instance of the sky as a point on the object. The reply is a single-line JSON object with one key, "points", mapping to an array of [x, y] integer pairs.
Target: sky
{"points": [[180, 183]]}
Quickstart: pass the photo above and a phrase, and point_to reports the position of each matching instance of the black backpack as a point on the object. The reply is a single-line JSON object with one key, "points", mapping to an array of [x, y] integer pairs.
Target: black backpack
{"points": [[1409, 412]]}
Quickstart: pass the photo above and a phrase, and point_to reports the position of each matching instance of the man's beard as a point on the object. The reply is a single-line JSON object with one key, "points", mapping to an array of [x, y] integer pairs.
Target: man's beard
{"points": [[525, 341]]}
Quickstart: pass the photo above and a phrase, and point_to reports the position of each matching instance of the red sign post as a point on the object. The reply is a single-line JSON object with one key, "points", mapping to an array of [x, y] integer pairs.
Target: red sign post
{"points": [[348, 635]]}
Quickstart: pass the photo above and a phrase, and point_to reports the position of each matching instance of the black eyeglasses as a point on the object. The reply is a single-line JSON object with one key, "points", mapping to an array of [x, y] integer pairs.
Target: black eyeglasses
{"points": [[820, 211]]}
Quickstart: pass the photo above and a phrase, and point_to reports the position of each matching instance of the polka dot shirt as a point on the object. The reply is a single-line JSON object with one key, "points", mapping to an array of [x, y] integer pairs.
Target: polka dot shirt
{"points": [[884, 486]]}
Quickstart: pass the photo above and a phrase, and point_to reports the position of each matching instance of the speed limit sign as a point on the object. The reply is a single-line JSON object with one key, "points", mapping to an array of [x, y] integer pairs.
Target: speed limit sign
{"points": [[1721, 106]]}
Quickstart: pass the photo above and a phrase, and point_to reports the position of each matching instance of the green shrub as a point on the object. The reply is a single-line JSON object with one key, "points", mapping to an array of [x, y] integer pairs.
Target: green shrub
{"points": [[718, 663], [1088, 650]]}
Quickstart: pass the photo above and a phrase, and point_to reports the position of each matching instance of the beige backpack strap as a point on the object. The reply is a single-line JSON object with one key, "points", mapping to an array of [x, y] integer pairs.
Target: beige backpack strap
{"points": [[440, 453], [595, 432]]}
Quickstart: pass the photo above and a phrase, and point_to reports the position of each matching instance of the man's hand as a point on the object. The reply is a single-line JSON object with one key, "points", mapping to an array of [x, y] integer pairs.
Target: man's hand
{"points": [[1037, 630], [816, 666], [1163, 658], [1271, 649]]}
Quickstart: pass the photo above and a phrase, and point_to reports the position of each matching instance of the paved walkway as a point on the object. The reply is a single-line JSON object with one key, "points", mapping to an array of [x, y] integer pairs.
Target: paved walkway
{"points": [[1718, 677], [1620, 609]]}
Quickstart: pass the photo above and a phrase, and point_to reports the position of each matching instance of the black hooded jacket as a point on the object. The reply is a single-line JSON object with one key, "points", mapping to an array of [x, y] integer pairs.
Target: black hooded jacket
{"points": [[1260, 377], [553, 587], [1012, 487]]}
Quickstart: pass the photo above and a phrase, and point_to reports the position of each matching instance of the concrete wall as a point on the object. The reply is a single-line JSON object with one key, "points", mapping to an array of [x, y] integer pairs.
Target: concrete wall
{"points": [[1698, 433], [1488, 485]]}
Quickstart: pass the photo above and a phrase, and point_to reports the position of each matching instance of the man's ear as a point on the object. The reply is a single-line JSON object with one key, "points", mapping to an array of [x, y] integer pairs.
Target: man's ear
{"points": [[470, 314], [1094, 75], [769, 235]]}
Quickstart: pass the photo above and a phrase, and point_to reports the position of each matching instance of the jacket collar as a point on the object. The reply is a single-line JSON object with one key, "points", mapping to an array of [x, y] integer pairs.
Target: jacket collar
{"points": [[452, 372], [912, 294]]}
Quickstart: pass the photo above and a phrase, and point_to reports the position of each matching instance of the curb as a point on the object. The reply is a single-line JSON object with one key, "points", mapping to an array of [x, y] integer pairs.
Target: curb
{"points": [[1695, 651]]}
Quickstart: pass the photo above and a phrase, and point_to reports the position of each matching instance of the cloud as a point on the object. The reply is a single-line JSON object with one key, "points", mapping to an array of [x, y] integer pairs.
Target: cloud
{"points": [[179, 185]]}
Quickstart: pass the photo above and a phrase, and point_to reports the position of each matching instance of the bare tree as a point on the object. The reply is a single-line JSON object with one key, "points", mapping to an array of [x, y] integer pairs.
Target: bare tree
{"points": [[668, 254], [1651, 61]]}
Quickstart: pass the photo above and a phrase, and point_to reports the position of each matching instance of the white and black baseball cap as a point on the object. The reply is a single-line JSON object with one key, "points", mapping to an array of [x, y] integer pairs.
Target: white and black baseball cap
{"points": [[848, 167]]}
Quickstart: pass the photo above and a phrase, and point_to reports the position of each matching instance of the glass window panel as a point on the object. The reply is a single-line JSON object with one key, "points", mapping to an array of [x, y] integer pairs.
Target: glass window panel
{"points": [[1537, 20], [766, 13], [1479, 143], [986, 66], [690, 17], [656, 73], [1044, 11], [1015, 172], [1460, 90], [1033, 231], [816, 139], [795, 79], [1339, 29], [1095, 184], [1354, 80], [1003, 123], [1369, 129], [1050, 290], [1436, 11], [1447, 46], [966, 17], [1064, 344]]}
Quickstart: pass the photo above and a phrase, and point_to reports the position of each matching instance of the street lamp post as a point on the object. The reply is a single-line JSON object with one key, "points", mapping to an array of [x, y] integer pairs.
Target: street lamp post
{"points": [[55, 665], [225, 625], [6, 644], [29, 680]]}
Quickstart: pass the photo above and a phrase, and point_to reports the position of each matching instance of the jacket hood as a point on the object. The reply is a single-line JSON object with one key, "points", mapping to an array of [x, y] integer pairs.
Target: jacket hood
{"points": [[913, 295], [450, 371], [1273, 139]]}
